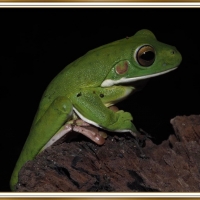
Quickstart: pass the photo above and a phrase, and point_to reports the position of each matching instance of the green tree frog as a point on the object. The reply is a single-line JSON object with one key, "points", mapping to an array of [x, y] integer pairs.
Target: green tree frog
{"points": [[91, 84]]}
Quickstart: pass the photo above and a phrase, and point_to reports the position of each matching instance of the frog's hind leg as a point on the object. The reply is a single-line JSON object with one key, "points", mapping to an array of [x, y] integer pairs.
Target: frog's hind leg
{"points": [[55, 116], [78, 126]]}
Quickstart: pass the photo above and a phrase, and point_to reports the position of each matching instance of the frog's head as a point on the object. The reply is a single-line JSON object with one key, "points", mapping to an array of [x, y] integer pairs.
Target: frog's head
{"points": [[143, 57]]}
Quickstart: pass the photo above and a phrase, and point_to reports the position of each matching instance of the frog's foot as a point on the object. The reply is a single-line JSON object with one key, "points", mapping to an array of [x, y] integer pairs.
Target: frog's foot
{"points": [[138, 137], [92, 133], [78, 126]]}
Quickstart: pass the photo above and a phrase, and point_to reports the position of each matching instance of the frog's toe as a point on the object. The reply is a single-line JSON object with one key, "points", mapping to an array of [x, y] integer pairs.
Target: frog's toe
{"points": [[92, 133]]}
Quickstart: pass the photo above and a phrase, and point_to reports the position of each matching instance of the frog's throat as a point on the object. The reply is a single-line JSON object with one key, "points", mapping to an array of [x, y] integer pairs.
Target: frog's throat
{"points": [[109, 82], [95, 124]]}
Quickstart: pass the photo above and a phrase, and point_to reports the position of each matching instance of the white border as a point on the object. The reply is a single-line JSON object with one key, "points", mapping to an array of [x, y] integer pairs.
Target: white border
{"points": [[101, 195], [100, 5]]}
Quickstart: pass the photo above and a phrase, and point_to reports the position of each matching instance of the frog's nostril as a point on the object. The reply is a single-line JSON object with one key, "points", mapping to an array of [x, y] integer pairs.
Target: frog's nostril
{"points": [[172, 52]]}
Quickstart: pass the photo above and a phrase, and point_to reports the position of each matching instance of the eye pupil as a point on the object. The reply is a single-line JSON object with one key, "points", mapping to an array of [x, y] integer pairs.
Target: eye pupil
{"points": [[146, 56]]}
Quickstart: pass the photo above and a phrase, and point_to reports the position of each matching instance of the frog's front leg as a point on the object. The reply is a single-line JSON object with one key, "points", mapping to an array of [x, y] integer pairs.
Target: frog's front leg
{"points": [[91, 106], [55, 116]]}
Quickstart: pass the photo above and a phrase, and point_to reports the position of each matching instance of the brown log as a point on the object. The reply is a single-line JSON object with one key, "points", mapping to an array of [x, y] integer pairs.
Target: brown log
{"points": [[81, 165]]}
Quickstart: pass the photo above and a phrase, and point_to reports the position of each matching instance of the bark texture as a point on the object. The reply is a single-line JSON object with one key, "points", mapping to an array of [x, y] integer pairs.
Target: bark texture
{"points": [[82, 166]]}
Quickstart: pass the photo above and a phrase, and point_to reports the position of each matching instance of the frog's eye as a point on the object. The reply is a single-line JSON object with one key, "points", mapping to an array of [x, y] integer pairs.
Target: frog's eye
{"points": [[145, 55]]}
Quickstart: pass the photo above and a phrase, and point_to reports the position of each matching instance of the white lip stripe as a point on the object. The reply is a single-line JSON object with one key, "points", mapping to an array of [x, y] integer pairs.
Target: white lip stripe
{"points": [[107, 83], [110, 82]]}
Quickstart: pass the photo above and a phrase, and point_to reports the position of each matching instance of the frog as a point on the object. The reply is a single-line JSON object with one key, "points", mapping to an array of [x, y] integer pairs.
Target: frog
{"points": [[82, 94]]}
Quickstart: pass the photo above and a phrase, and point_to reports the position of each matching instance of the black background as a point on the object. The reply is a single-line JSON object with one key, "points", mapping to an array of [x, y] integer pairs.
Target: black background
{"points": [[35, 44]]}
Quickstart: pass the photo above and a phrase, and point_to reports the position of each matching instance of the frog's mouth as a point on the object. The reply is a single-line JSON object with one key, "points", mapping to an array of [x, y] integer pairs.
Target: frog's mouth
{"points": [[110, 82]]}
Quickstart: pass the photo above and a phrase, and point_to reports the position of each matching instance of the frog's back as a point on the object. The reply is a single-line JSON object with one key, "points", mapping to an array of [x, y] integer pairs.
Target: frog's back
{"points": [[89, 70]]}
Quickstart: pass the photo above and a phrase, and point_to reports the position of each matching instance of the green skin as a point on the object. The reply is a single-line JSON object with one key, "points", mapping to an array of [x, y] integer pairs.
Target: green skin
{"points": [[92, 83]]}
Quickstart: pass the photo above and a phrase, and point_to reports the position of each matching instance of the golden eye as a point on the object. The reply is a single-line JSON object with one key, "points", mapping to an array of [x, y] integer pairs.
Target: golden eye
{"points": [[145, 56]]}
